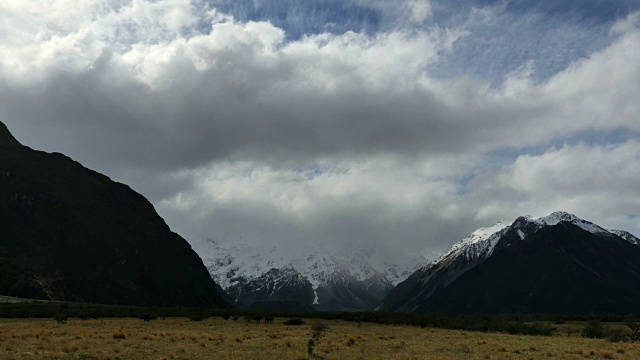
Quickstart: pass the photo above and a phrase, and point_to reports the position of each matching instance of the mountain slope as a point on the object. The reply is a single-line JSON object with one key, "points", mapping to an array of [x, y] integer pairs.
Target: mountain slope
{"points": [[558, 263], [309, 274], [626, 236], [559, 269], [69, 233]]}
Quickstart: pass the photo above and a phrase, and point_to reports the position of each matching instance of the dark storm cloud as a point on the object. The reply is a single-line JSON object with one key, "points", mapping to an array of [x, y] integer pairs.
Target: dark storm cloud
{"points": [[239, 108]]}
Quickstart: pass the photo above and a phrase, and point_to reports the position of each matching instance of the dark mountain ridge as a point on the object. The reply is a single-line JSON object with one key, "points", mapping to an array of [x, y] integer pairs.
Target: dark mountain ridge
{"points": [[70, 233]]}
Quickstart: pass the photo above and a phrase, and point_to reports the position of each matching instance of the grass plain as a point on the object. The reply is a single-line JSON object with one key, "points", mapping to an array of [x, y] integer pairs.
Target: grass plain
{"points": [[215, 338]]}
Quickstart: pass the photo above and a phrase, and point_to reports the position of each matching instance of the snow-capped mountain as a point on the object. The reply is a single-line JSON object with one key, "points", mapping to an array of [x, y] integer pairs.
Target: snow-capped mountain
{"points": [[561, 241], [309, 274], [482, 242]]}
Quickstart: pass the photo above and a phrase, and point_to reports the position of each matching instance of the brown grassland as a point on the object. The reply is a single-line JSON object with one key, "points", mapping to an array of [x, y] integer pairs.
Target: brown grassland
{"points": [[215, 338]]}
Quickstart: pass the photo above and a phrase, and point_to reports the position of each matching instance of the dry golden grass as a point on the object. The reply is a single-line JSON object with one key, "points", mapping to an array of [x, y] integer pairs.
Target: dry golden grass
{"points": [[214, 338]]}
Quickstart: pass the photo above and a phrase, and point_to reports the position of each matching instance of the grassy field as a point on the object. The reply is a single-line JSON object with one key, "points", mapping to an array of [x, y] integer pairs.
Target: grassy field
{"points": [[215, 338]]}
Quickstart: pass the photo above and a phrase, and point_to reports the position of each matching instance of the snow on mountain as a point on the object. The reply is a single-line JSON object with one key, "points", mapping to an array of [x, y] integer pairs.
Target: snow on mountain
{"points": [[626, 235], [559, 216], [482, 242], [232, 264]]}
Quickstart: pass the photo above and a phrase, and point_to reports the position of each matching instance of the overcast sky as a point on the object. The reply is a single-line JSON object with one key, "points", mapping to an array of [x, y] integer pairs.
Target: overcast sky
{"points": [[406, 123]]}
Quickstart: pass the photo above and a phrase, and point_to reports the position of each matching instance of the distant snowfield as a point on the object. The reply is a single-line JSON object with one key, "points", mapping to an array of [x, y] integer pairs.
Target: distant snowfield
{"points": [[249, 261]]}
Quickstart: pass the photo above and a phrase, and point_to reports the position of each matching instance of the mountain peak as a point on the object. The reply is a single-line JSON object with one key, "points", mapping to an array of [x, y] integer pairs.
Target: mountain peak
{"points": [[6, 139], [558, 217], [563, 217], [484, 233], [482, 242]]}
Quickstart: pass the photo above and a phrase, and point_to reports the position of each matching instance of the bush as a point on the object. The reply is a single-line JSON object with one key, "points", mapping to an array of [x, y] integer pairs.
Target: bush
{"points": [[60, 318], [618, 336], [634, 326], [593, 330], [532, 329], [197, 316], [147, 317], [317, 330], [294, 322]]}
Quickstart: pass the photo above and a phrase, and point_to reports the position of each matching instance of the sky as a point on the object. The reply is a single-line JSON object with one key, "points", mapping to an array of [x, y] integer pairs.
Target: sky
{"points": [[400, 124]]}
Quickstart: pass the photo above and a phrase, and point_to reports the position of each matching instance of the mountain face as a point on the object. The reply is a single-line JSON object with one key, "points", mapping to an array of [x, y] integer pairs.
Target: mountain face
{"points": [[69, 233], [311, 276], [554, 264]]}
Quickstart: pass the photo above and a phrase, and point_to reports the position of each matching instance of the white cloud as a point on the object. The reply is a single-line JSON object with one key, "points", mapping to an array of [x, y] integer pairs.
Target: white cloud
{"points": [[382, 190], [597, 182], [420, 10]]}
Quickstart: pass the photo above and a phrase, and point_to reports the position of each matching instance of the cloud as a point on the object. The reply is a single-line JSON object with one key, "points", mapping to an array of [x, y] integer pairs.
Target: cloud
{"points": [[420, 10], [234, 127], [592, 181], [382, 199], [236, 89], [355, 202]]}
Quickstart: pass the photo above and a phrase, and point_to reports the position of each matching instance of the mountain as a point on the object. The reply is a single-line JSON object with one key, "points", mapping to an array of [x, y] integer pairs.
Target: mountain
{"points": [[309, 275], [553, 264], [70, 233]]}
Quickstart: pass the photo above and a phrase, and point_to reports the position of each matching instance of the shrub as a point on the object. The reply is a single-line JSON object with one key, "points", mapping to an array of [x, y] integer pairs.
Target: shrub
{"points": [[539, 329], [618, 336], [317, 330], [294, 322], [147, 317], [634, 326], [197, 316], [593, 330], [60, 318]]}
